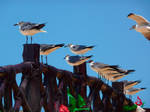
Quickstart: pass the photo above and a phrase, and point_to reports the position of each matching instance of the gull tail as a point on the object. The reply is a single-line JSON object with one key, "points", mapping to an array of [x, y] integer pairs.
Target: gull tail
{"points": [[89, 56], [138, 81], [90, 47], [129, 71], [59, 45], [143, 88]]}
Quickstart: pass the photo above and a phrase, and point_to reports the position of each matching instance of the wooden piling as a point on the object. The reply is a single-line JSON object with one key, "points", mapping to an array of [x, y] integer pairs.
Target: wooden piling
{"points": [[32, 78], [81, 71], [31, 52]]}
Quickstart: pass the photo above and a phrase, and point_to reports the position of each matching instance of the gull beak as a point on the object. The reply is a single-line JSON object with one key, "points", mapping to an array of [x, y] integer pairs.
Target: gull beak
{"points": [[15, 24]]}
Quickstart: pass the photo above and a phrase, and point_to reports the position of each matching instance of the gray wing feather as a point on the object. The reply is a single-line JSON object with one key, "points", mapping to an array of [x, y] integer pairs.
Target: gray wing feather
{"points": [[78, 47], [28, 26], [44, 47], [74, 59]]}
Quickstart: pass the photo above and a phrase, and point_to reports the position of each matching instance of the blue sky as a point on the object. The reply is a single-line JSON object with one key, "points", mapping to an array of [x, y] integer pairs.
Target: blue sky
{"points": [[89, 22]]}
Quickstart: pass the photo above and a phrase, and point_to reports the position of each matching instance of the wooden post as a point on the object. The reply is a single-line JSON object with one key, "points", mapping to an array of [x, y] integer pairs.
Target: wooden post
{"points": [[51, 89], [119, 87], [32, 78], [31, 52], [81, 70], [97, 102], [8, 97]]}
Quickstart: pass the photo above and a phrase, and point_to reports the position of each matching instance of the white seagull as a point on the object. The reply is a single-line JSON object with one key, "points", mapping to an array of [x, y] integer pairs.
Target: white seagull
{"points": [[133, 91], [109, 72], [46, 49], [29, 29], [114, 77], [130, 84], [79, 49], [142, 26], [76, 60]]}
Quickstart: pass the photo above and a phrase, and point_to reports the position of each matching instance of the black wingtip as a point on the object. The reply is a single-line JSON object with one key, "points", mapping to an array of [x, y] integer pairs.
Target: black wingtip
{"points": [[90, 47], [143, 88], [130, 71], [90, 56], [130, 14], [40, 26], [60, 45], [138, 81]]}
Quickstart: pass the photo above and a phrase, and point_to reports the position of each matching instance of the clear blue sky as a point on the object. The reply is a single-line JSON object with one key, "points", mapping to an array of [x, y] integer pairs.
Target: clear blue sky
{"points": [[91, 22]]}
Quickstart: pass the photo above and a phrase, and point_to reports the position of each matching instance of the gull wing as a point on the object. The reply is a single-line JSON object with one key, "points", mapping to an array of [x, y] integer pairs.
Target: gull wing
{"points": [[78, 47], [29, 26], [45, 47], [38, 26], [74, 59], [146, 35], [139, 19]]}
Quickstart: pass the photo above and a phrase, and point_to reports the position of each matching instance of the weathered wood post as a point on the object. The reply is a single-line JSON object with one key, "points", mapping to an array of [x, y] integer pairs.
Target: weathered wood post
{"points": [[31, 52], [80, 87], [7, 96], [81, 70], [51, 89], [32, 78], [117, 104]]}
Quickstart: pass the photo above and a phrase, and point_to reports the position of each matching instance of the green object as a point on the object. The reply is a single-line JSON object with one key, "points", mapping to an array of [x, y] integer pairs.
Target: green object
{"points": [[129, 108], [81, 101], [80, 109], [73, 101], [143, 104]]}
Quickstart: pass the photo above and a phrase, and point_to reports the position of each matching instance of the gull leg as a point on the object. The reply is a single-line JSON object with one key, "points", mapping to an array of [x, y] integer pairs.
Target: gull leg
{"points": [[46, 59], [31, 39], [26, 39], [99, 75], [42, 59], [130, 97]]}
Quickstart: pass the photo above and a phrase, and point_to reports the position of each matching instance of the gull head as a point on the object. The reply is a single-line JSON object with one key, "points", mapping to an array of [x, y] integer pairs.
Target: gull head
{"points": [[90, 61], [68, 45], [66, 57], [20, 23], [133, 27]]}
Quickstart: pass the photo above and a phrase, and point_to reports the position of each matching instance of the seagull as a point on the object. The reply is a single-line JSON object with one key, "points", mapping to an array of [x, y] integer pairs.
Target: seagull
{"points": [[76, 60], [113, 76], [46, 49], [79, 49], [116, 77], [107, 69], [133, 91], [108, 72], [101, 67], [130, 84], [142, 26], [27, 28]]}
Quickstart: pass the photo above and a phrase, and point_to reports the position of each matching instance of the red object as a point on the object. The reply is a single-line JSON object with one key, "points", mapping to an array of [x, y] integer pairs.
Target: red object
{"points": [[139, 101], [63, 108]]}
